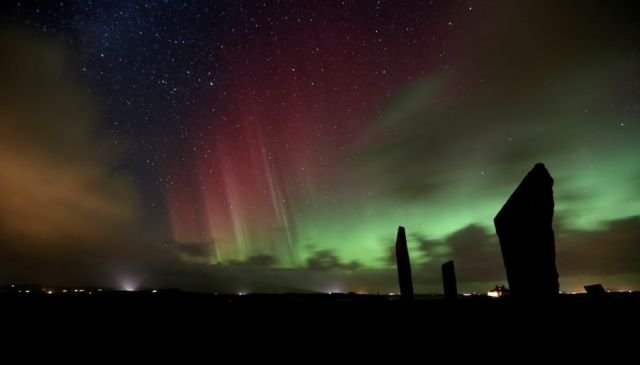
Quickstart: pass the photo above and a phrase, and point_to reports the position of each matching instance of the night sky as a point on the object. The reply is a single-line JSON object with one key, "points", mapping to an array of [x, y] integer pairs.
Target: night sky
{"points": [[276, 146]]}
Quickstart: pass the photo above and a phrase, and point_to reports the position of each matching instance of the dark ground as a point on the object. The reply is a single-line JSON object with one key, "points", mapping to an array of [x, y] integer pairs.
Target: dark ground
{"points": [[218, 324]]}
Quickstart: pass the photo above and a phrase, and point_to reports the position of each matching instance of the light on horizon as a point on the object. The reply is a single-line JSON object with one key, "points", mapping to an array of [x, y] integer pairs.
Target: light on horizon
{"points": [[128, 284]]}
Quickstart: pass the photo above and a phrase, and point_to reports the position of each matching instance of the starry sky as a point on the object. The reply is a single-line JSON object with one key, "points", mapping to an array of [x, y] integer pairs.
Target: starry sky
{"points": [[276, 146]]}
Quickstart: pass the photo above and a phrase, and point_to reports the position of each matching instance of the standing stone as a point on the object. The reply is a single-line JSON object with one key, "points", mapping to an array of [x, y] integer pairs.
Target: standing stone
{"points": [[449, 281], [404, 266], [524, 226]]}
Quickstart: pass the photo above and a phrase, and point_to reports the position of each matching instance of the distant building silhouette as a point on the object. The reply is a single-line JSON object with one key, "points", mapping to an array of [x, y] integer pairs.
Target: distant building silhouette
{"points": [[595, 290], [524, 226], [498, 291], [449, 280], [404, 265]]}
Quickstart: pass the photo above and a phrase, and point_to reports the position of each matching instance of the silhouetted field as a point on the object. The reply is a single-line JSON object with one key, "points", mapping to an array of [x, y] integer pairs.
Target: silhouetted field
{"points": [[144, 321]]}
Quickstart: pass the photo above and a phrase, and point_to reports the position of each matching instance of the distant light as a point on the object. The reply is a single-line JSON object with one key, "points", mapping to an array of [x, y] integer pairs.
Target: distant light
{"points": [[75, 290], [466, 294], [392, 293], [129, 284], [26, 291], [49, 291], [64, 290], [242, 293], [13, 286], [493, 294], [99, 289], [154, 291]]}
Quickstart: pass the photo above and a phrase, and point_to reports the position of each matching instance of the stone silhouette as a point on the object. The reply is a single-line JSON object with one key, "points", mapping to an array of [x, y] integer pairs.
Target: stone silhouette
{"points": [[524, 226], [449, 280], [404, 265]]}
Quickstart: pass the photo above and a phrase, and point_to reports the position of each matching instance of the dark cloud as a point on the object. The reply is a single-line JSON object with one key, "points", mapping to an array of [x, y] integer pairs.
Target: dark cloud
{"points": [[611, 250], [326, 260], [476, 253], [474, 250], [196, 252], [262, 260], [205, 253], [425, 245], [390, 258], [425, 248], [571, 196]]}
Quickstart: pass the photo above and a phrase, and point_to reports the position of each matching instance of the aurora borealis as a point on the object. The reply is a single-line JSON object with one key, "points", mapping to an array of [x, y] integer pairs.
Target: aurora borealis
{"points": [[278, 145]]}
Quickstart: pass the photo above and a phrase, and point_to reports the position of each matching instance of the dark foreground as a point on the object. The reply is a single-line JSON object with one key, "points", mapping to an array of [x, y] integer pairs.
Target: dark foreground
{"points": [[208, 324]]}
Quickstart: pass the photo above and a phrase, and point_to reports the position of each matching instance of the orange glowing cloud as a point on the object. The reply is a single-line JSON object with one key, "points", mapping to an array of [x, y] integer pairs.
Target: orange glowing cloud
{"points": [[55, 180]]}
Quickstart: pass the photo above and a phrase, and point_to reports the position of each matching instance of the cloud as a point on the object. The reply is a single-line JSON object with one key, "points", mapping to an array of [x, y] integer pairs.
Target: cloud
{"points": [[65, 214], [195, 252], [326, 260], [390, 257], [611, 250], [477, 254], [474, 250], [257, 261], [504, 104], [430, 248], [56, 178], [261, 260]]}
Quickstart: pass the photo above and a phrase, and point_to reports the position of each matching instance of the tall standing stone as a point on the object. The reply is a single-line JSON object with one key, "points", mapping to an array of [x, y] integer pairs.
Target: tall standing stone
{"points": [[449, 281], [524, 226], [404, 266]]}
